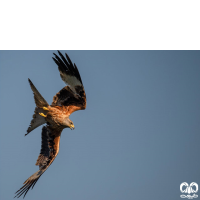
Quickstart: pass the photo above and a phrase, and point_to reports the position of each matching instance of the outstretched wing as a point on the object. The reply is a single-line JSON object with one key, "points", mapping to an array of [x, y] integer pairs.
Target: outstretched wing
{"points": [[72, 96], [49, 151]]}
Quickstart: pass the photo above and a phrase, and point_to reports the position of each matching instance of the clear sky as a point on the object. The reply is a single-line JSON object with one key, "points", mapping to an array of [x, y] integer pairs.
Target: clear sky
{"points": [[137, 139]]}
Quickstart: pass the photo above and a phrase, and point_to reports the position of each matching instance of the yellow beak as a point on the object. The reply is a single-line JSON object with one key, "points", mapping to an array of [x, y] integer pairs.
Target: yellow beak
{"points": [[72, 127]]}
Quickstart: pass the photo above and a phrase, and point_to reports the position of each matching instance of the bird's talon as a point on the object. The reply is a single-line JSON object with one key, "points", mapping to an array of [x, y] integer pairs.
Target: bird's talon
{"points": [[45, 108], [42, 114]]}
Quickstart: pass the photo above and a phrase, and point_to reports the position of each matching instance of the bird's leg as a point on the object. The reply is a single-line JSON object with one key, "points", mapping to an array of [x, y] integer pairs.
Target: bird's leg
{"points": [[42, 114]]}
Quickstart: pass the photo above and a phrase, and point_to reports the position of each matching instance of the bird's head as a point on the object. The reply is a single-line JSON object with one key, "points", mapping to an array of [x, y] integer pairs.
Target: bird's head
{"points": [[69, 124]]}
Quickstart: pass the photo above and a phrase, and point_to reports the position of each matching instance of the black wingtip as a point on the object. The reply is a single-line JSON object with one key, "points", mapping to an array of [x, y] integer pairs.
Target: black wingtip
{"points": [[30, 82], [25, 188], [66, 66], [26, 134]]}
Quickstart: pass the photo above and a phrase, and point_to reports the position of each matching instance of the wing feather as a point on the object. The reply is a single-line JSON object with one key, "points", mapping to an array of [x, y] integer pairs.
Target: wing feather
{"points": [[72, 96], [49, 151], [37, 120], [68, 72]]}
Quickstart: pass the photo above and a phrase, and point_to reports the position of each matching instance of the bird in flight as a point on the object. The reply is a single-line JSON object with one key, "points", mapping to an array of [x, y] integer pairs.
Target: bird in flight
{"points": [[56, 116]]}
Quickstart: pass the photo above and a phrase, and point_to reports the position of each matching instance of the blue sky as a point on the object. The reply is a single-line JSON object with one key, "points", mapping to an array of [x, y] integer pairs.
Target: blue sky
{"points": [[137, 139]]}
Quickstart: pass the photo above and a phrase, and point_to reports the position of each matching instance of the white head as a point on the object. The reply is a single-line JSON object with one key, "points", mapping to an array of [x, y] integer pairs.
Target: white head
{"points": [[69, 124]]}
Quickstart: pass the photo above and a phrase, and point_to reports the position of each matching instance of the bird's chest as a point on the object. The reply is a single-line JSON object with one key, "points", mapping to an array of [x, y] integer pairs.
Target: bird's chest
{"points": [[56, 117]]}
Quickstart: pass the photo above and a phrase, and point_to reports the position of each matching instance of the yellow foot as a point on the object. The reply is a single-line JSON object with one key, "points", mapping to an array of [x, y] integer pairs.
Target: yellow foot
{"points": [[42, 114], [45, 108]]}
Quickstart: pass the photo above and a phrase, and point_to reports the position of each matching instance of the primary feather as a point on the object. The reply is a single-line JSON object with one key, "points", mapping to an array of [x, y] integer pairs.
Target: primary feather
{"points": [[69, 99]]}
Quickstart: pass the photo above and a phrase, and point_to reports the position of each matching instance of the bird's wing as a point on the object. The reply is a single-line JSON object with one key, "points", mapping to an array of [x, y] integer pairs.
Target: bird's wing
{"points": [[49, 151], [40, 103], [72, 96]]}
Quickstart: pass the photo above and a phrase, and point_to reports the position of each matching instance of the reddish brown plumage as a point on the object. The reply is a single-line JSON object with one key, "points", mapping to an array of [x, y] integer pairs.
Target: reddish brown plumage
{"points": [[52, 141], [68, 100], [49, 151]]}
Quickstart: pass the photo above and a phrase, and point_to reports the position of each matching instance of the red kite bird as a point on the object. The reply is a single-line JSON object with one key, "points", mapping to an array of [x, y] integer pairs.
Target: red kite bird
{"points": [[68, 100]]}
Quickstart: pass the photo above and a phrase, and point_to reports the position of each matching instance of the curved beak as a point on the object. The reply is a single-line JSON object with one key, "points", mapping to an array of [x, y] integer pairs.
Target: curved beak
{"points": [[72, 127]]}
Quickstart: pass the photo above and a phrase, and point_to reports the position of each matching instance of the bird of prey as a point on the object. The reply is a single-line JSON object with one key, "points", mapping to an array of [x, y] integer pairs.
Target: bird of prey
{"points": [[56, 116]]}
